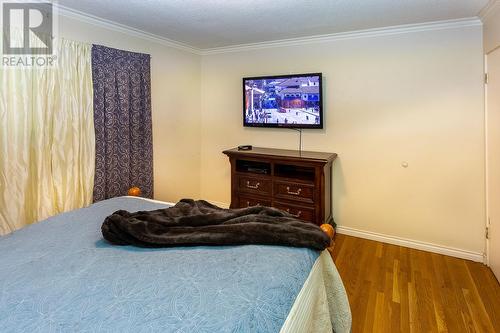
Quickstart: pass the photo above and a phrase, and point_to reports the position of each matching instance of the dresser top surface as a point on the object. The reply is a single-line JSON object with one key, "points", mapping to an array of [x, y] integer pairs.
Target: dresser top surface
{"points": [[282, 153]]}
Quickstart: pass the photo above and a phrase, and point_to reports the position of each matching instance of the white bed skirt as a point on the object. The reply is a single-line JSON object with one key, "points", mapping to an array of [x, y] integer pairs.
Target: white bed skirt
{"points": [[321, 305]]}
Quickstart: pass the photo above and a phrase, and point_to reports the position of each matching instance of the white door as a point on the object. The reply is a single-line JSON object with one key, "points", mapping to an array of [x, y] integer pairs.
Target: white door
{"points": [[493, 159]]}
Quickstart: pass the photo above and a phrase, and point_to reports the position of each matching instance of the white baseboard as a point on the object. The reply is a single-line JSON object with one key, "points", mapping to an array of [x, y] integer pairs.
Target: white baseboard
{"points": [[414, 244], [219, 204], [448, 251]]}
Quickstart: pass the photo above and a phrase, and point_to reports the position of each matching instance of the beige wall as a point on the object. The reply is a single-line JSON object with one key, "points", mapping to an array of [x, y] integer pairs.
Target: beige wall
{"points": [[415, 97], [492, 29], [175, 106]]}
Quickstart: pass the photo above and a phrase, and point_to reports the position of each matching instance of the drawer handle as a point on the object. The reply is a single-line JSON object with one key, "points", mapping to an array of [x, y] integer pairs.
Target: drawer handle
{"points": [[299, 213], [255, 187], [248, 204], [291, 192]]}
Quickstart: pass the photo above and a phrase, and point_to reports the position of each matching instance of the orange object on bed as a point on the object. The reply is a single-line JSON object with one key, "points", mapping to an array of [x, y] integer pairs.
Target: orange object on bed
{"points": [[134, 192], [328, 229]]}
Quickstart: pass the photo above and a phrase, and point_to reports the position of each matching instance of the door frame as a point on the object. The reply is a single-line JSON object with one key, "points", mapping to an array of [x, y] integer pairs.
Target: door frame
{"points": [[486, 159], [486, 145]]}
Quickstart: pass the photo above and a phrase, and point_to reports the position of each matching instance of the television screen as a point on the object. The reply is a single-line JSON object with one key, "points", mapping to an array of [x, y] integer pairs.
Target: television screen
{"points": [[292, 101]]}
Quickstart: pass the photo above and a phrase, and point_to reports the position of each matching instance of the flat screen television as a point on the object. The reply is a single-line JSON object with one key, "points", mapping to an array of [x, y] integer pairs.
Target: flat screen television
{"points": [[290, 101]]}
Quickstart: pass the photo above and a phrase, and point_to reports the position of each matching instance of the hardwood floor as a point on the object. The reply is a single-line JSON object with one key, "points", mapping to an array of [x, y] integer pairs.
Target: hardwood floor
{"points": [[397, 289]]}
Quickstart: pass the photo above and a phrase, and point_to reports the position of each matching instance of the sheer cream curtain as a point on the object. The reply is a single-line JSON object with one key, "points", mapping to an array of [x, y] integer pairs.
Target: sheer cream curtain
{"points": [[47, 144]]}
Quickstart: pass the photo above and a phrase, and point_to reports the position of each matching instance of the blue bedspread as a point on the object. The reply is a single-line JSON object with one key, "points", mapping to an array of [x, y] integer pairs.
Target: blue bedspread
{"points": [[60, 276]]}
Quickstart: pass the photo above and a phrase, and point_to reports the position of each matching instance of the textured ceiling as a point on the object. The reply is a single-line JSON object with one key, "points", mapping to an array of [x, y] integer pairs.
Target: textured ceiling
{"points": [[209, 24]]}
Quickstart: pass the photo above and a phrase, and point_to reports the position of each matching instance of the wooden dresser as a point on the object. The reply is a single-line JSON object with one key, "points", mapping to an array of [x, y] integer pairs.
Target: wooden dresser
{"points": [[297, 182]]}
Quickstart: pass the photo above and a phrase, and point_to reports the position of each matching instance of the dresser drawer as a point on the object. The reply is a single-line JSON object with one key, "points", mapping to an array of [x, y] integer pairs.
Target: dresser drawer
{"points": [[244, 202], [304, 213], [255, 185], [294, 191]]}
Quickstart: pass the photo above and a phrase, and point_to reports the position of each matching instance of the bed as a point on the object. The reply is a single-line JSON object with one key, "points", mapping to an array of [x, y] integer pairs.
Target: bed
{"points": [[59, 275]]}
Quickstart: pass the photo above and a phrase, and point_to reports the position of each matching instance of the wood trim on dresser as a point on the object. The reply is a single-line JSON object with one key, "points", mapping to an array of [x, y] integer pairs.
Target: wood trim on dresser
{"points": [[298, 181]]}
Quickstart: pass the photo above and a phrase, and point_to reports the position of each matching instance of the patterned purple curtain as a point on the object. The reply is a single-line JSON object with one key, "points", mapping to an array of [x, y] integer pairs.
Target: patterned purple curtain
{"points": [[123, 127]]}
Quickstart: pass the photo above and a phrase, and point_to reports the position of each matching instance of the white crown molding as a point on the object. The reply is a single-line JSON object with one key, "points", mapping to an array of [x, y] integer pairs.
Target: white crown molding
{"points": [[376, 32], [111, 25], [445, 250], [491, 7]]}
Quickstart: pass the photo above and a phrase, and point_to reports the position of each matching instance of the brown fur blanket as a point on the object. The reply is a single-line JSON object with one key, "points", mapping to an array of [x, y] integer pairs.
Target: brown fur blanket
{"points": [[192, 222]]}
